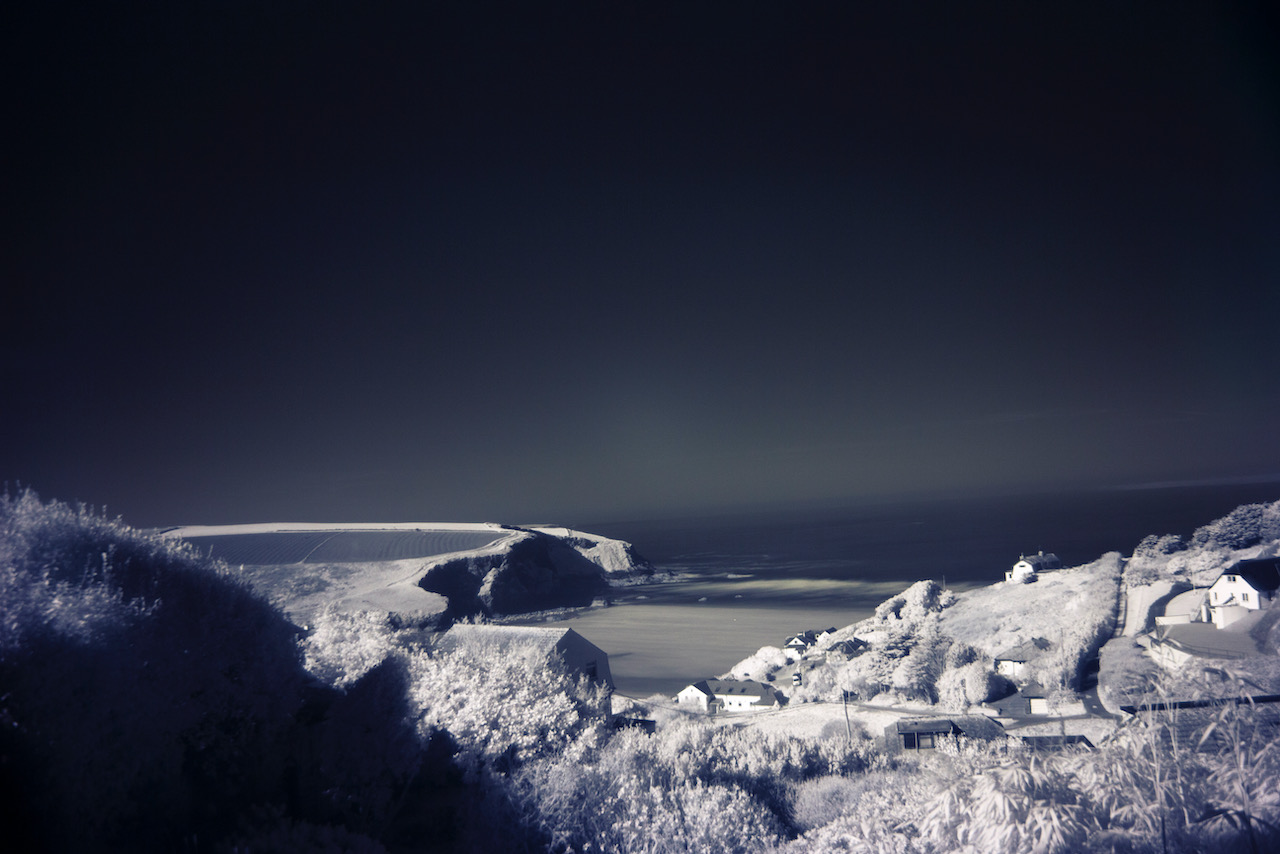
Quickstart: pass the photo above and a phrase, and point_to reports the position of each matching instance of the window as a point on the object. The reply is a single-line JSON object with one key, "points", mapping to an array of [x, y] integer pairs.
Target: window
{"points": [[591, 670], [909, 740], [926, 740], [1244, 597]]}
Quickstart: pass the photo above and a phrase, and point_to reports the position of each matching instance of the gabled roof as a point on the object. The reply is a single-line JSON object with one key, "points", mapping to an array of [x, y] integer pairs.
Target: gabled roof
{"points": [[1055, 742], [505, 636], [972, 726], [850, 646], [1024, 652], [1041, 561], [1208, 641], [737, 688], [806, 638], [1262, 574]]}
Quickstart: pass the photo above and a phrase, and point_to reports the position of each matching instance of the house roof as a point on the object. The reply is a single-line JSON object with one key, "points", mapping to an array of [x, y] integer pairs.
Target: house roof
{"points": [[1014, 702], [1262, 574], [848, 647], [1024, 652], [1055, 742], [972, 726], [1041, 561], [737, 688], [505, 636], [1208, 641]]}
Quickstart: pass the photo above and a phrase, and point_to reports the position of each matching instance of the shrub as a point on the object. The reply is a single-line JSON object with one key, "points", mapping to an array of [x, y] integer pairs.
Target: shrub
{"points": [[146, 690], [506, 706], [1247, 525]]}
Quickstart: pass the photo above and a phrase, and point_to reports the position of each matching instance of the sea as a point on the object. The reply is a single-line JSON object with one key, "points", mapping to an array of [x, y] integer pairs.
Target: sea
{"points": [[750, 579]]}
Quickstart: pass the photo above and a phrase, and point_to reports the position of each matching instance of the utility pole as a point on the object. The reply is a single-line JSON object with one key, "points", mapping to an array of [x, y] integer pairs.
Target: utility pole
{"points": [[848, 731]]}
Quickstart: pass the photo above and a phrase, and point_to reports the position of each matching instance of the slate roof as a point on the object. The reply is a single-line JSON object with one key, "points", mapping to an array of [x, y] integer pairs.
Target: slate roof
{"points": [[503, 636], [1041, 562], [849, 647], [1028, 651], [1055, 742], [1262, 574], [972, 726], [738, 688], [1208, 641]]}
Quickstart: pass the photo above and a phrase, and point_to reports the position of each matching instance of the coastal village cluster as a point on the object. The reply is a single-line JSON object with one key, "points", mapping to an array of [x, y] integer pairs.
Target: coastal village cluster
{"points": [[1211, 622]]}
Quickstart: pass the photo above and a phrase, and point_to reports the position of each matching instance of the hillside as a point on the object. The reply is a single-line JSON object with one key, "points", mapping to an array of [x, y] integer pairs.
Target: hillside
{"points": [[421, 572]]}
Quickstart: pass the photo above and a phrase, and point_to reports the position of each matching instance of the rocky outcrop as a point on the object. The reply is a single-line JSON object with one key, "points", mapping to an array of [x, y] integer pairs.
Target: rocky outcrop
{"points": [[536, 571]]}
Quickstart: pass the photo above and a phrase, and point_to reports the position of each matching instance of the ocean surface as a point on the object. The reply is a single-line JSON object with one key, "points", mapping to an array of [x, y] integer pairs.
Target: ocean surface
{"points": [[753, 579]]}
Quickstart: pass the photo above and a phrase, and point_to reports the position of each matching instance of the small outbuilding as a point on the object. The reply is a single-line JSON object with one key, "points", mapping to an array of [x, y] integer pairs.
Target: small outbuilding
{"points": [[1028, 700]]}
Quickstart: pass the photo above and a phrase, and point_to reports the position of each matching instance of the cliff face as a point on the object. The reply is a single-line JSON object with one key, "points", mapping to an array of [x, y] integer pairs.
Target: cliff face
{"points": [[538, 571]]}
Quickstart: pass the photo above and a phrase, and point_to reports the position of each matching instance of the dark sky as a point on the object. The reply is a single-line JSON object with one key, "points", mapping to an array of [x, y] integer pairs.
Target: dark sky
{"points": [[565, 261]]}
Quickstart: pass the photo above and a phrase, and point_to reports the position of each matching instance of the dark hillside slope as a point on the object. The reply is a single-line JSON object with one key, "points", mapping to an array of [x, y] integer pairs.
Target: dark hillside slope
{"points": [[149, 701]]}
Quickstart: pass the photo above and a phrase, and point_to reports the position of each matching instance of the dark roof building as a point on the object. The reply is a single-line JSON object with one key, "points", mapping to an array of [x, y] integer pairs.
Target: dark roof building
{"points": [[910, 734], [1262, 574], [1030, 699]]}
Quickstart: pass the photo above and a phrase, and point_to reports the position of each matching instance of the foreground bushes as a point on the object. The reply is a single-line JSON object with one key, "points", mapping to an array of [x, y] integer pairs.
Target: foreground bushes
{"points": [[144, 693], [150, 701]]}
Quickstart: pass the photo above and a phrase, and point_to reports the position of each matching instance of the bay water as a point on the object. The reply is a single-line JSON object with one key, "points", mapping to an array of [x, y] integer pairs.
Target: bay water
{"points": [[752, 579]]}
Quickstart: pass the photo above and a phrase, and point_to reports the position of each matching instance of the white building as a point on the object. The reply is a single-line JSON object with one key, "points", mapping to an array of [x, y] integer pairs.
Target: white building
{"points": [[1249, 585], [730, 695], [1013, 662], [1027, 567]]}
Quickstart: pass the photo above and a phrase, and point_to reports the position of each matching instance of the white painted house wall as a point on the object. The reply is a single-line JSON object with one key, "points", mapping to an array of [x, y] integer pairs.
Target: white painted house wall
{"points": [[692, 695], [1231, 597]]}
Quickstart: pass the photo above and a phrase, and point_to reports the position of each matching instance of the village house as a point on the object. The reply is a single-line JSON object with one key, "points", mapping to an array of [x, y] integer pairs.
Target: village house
{"points": [[811, 637], [1027, 567], [1013, 662], [1244, 587], [842, 651], [1030, 699], [915, 734], [579, 655], [729, 695]]}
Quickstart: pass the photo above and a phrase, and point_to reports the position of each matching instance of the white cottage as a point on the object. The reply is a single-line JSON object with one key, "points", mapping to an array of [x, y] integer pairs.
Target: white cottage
{"points": [[1013, 662], [1028, 565], [730, 695], [1244, 587]]}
